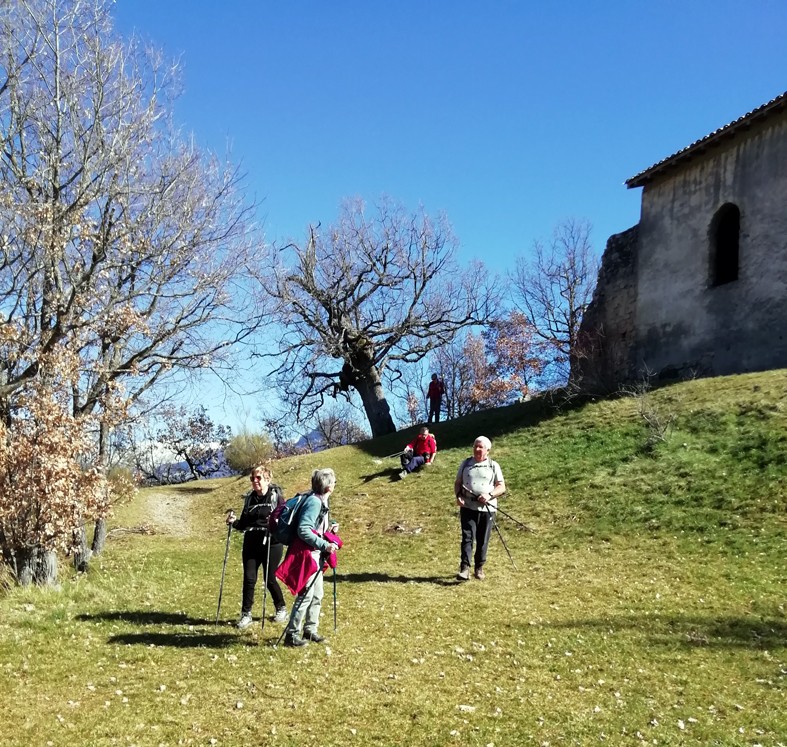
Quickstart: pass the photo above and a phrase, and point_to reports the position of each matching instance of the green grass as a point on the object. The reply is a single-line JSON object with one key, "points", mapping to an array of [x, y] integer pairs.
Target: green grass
{"points": [[648, 605]]}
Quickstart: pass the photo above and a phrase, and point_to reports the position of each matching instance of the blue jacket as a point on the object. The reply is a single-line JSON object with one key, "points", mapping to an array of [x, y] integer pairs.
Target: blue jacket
{"points": [[313, 516]]}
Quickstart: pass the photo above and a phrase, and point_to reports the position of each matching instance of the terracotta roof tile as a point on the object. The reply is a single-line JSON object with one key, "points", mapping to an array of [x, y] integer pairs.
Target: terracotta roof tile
{"points": [[699, 146]]}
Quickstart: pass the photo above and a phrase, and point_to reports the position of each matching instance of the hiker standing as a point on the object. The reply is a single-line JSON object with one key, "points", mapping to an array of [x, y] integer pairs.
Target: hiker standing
{"points": [[313, 522], [421, 450], [258, 549], [434, 395], [479, 482]]}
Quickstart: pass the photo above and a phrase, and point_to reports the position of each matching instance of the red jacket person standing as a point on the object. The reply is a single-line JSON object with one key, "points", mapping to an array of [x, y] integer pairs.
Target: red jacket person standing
{"points": [[434, 395]]}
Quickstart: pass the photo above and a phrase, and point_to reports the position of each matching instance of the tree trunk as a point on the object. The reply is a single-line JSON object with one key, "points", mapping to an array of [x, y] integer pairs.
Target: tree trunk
{"points": [[34, 565], [374, 403], [82, 552], [193, 468], [100, 529], [46, 572], [99, 536]]}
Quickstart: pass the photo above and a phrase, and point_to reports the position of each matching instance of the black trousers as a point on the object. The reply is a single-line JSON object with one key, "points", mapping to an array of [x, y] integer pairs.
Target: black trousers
{"points": [[476, 527], [255, 554]]}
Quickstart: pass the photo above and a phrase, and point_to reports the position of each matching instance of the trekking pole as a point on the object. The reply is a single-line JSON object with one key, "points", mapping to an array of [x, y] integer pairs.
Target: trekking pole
{"points": [[500, 534], [505, 513], [380, 460], [494, 525], [265, 578], [223, 569], [334, 599], [516, 521]]}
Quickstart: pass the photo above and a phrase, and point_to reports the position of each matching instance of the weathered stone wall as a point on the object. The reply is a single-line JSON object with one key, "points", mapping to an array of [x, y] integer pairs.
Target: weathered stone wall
{"points": [[656, 298], [608, 329]]}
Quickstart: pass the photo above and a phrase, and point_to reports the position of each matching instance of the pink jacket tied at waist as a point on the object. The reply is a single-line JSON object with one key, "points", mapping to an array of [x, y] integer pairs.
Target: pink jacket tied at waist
{"points": [[299, 564]]}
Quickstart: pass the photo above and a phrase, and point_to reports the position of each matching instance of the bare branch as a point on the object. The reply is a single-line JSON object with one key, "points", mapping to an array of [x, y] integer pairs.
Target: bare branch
{"points": [[365, 293], [554, 289]]}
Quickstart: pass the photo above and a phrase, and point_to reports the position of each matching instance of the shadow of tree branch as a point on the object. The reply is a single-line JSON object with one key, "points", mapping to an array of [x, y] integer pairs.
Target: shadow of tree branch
{"points": [[691, 631]]}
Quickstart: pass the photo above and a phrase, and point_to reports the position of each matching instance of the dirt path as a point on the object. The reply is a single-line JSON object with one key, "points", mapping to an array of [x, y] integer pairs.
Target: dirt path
{"points": [[170, 512]]}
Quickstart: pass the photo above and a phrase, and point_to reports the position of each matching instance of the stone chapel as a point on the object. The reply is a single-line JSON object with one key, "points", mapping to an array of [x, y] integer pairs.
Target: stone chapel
{"points": [[699, 285]]}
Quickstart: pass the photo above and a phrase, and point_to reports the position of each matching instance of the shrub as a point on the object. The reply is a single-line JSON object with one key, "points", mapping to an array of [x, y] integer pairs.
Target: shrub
{"points": [[122, 483], [246, 450]]}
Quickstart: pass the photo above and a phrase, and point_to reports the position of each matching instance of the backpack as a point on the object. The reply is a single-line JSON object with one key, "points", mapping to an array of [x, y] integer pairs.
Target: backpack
{"points": [[467, 462], [283, 521]]}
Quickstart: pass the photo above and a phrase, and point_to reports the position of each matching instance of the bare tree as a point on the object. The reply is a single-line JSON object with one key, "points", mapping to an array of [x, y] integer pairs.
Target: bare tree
{"points": [[196, 439], [336, 427], [366, 295], [118, 238], [553, 290], [407, 387]]}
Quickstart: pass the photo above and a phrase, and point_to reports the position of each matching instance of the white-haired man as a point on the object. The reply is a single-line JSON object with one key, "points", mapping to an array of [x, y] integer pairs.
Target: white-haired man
{"points": [[478, 483]]}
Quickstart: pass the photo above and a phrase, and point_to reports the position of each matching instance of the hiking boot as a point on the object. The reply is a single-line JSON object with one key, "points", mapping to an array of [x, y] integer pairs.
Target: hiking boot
{"points": [[293, 640], [314, 636], [464, 573], [281, 615], [245, 621], [479, 574], [403, 474]]}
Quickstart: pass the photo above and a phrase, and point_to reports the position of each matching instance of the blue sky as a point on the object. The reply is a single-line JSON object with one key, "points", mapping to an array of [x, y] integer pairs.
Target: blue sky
{"points": [[507, 116]]}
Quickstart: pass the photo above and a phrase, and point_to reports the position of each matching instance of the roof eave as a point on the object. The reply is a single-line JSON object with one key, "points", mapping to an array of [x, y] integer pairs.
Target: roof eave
{"points": [[712, 140]]}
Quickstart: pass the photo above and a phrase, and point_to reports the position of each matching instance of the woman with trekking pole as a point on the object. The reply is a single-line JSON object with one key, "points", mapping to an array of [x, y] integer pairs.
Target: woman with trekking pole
{"points": [[313, 531], [258, 548]]}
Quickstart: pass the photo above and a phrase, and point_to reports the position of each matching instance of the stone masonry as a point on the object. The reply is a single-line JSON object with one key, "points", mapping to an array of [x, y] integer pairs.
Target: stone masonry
{"points": [[661, 306]]}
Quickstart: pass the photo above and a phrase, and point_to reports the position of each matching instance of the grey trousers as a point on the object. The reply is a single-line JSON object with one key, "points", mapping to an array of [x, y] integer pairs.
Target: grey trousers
{"points": [[476, 527], [306, 609]]}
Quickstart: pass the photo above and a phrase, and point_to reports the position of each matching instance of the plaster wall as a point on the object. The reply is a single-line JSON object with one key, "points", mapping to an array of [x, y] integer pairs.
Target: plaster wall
{"points": [[683, 323]]}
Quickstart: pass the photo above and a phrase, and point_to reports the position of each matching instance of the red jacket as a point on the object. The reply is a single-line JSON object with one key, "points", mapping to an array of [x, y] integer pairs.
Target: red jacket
{"points": [[299, 565], [424, 446], [435, 390]]}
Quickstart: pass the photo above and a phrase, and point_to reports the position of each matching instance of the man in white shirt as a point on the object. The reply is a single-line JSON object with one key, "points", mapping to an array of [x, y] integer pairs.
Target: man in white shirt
{"points": [[478, 483]]}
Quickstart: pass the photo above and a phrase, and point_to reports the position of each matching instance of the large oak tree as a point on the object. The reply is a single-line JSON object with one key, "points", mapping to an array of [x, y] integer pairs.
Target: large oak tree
{"points": [[376, 291]]}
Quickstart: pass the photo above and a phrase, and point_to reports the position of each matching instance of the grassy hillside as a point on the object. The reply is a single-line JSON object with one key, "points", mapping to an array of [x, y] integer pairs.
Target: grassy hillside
{"points": [[647, 604]]}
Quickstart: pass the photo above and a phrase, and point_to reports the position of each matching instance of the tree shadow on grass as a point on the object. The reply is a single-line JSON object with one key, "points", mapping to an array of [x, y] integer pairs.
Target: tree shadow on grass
{"points": [[693, 631], [175, 640], [365, 578], [145, 617], [194, 490]]}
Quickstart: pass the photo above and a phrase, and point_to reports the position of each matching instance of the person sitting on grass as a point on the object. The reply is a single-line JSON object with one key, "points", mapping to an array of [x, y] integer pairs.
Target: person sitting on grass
{"points": [[421, 450]]}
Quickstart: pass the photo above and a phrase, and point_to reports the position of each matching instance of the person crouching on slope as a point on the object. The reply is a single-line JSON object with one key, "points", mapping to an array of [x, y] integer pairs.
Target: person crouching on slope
{"points": [[421, 450]]}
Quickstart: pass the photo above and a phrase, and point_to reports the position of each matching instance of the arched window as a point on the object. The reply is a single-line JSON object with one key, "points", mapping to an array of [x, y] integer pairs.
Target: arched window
{"points": [[725, 230]]}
